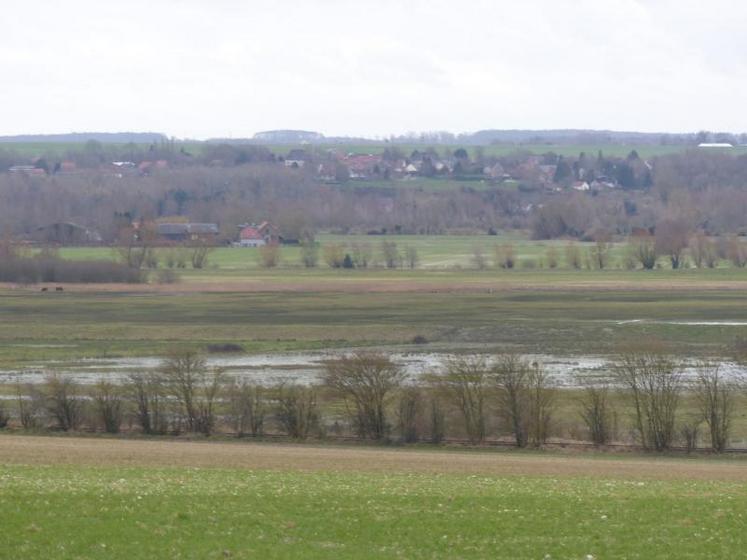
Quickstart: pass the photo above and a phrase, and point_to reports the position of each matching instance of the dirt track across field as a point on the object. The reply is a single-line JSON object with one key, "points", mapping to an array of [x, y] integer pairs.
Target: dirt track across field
{"points": [[88, 451], [254, 285]]}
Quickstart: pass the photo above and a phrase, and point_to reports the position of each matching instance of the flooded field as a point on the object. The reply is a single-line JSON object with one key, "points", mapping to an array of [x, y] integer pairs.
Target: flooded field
{"points": [[307, 367]]}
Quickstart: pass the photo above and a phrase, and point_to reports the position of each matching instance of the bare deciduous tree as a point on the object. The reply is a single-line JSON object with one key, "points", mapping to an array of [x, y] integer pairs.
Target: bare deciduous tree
{"points": [[703, 251], [504, 256], [246, 408], [654, 382], [4, 417], [573, 256], [671, 239], [269, 256], [109, 406], [309, 253], [149, 396], [478, 259], [367, 382], [541, 399], [437, 421], [391, 255], [644, 249], [599, 254], [465, 383], [63, 402], [511, 376], [408, 414], [411, 257], [596, 412], [194, 387], [334, 254], [135, 245], [362, 254], [31, 405], [199, 254], [716, 398], [737, 252], [551, 257], [297, 410]]}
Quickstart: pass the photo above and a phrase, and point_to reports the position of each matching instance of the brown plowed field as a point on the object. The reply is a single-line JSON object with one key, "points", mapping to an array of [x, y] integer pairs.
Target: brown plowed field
{"points": [[392, 286], [87, 451]]}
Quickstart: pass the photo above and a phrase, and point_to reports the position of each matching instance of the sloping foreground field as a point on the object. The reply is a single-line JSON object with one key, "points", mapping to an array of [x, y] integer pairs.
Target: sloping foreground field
{"points": [[96, 498]]}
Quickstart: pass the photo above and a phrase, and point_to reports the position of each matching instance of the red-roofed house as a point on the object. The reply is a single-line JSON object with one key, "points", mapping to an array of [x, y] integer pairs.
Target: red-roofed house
{"points": [[258, 235]]}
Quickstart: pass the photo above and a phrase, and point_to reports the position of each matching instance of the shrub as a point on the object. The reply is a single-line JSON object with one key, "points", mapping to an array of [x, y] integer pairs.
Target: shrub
{"points": [[269, 256], [225, 348], [309, 253], [334, 254], [478, 259], [505, 256], [167, 276]]}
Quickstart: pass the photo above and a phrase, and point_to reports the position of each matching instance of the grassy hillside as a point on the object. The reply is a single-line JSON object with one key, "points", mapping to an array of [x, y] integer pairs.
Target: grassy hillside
{"points": [[59, 149]]}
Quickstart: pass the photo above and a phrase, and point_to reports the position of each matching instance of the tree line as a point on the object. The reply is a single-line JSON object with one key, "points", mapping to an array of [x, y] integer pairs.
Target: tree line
{"points": [[703, 191], [368, 396]]}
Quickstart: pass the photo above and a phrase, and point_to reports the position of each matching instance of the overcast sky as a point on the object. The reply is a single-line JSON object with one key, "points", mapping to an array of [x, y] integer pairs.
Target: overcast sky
{"points": [[214, 68]]}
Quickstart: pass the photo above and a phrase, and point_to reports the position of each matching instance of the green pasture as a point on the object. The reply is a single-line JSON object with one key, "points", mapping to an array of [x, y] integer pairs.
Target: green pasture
{"points": [[435, 252], [112, 512]]}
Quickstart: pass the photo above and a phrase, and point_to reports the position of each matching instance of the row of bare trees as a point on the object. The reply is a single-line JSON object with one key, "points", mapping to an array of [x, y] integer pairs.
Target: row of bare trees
{"points": [[507, 395]]}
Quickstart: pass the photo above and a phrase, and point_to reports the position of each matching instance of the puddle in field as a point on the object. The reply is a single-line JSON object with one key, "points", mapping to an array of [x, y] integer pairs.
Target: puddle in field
{"points": [[687, 323], [307, 367]]}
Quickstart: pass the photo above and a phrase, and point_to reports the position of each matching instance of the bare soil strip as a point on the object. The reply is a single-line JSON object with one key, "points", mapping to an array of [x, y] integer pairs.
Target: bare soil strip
{"points": [[35, 450], [254, 285]]}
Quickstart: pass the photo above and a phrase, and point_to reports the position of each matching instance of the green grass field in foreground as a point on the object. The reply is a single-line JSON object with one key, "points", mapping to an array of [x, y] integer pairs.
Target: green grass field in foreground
{"points": [[110, 513]]}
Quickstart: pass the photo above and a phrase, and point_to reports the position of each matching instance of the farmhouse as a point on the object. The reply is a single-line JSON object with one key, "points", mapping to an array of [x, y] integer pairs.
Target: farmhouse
{"points": [[252, 235], [27, 170], [580, 186], [66, 233], [178, 232], [296, 158], [362, 166]]}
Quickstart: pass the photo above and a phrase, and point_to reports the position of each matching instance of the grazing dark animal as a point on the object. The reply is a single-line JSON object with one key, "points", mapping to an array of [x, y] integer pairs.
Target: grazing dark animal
{"points": [[58, 289], [44, 289]]}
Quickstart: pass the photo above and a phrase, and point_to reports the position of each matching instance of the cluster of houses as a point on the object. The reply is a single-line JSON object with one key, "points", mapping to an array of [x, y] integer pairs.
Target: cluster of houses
{"points": [[167, 232], [530, 169], [249, 235], [548, 172], [39, 168]]}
